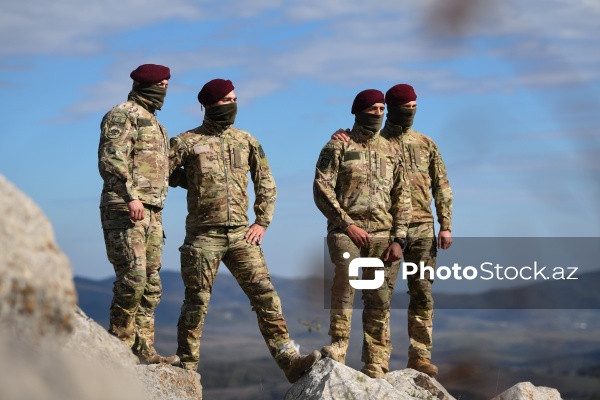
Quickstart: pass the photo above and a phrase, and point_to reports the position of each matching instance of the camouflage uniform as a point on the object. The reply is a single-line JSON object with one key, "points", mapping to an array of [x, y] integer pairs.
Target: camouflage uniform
{"points": [[426, 172], [216, 162], [133, 162], [362, 182]]}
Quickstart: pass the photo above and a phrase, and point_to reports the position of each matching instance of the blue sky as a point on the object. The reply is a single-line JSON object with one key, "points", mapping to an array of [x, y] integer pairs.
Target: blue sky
{"points": [[510, 92]]}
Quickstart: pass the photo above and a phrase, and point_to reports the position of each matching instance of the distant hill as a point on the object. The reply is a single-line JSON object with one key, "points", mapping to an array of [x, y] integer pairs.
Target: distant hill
{"points": [[308, 293]]}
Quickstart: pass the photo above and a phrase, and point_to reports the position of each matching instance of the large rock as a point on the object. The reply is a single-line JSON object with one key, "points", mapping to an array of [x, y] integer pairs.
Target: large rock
{"points": [[331, 380], [93, 343], [37, 295], [50, 349], [526, 391]]}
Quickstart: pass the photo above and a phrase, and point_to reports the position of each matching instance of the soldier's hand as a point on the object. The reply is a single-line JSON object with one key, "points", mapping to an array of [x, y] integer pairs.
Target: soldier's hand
{"points": [[255, 234], [392, 253], [136, 210], [359, 236], [342, 135], [444, 240]]}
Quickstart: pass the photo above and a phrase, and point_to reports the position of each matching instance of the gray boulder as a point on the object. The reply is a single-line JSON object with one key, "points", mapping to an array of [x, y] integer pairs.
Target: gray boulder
{"points": [[50, 349], [37, 294], [527, 391], [331, 380]]}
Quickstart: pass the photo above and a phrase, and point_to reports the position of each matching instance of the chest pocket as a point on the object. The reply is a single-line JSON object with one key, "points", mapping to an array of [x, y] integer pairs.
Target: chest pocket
{"points": [[385, 167], [148, 137], [353, 166], [418, 157], [238, 157], [207, 158]]}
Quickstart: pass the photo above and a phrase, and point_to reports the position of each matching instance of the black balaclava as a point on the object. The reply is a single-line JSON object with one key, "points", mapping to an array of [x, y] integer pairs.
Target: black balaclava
{"points": [[371, 122], [401, 116], [223, 114], [152, 96]]}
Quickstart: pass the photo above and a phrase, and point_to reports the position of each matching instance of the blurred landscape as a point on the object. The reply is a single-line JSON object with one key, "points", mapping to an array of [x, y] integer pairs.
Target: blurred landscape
{"points": [[481, 352]]}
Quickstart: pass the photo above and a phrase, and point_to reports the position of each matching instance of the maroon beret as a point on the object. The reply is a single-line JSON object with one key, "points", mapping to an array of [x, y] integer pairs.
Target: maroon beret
{"points": [[366, 99], [214, 91], [400, 94], [150, 73]]}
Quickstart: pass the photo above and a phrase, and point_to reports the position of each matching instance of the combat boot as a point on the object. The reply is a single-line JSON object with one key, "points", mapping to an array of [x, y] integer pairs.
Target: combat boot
{"points": [[337, 349], [152, 357], [422, 365], [373, 370], [294, 365]]}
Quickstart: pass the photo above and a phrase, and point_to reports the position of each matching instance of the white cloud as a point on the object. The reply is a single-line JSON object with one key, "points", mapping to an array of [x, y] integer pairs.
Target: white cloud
{"points": [[344, 42], [73, 27]]}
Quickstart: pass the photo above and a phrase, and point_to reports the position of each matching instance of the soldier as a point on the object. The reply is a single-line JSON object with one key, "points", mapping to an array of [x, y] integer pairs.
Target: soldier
{"points": [[216, 159], [133, 162], [427, 175], [360, 187]]}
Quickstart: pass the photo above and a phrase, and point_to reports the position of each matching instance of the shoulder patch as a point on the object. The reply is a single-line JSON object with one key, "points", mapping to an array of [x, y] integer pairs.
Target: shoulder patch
{"points": [[173, 141], [113, 132], [118, 119], [325, 159], [261, 152]]}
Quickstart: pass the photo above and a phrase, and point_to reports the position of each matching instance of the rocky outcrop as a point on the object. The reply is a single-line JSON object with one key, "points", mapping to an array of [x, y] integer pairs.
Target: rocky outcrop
{"points": [[526, 391], [331, 380], [37, 295], [50, 349]]}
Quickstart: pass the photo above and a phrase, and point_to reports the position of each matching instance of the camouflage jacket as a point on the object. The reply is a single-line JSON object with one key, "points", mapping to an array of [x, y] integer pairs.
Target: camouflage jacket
{"points": [[133, 156], [362, 182], [426, 172], [216, 163]]}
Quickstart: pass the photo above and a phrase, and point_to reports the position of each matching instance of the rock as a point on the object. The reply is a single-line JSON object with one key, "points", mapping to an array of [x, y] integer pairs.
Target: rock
{"points": [[92, 342], [527, 391], [409, 380], [50, 349], [331, 380], [37, 294], [165, 382]]}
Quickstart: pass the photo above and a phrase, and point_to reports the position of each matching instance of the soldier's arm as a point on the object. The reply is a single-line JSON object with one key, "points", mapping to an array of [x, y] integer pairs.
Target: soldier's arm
{"points": [[440, 187], [114, 152], [178, 151], [326, 174], [401, 209], [264, 185]]}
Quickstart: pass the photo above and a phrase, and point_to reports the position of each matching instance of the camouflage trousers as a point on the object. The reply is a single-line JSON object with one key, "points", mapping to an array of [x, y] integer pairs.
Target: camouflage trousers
{"points": [[421, 245], [134, 249], [201, 254], [377, 346]]}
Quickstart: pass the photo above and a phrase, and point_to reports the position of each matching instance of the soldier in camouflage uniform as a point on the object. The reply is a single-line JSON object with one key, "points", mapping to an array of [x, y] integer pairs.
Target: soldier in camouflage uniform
{"points": [[427, 175], [360, 187], [133, 162], [216, 159]]}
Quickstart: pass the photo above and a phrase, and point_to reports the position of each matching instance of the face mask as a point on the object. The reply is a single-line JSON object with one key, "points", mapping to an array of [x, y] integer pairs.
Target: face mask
{"points": [[372, 122], [155, 95], [223, 114], [402, 116]]}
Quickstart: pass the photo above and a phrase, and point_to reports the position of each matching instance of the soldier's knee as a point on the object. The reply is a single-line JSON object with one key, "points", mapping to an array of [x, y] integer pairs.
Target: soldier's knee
{"points": [[133, 283], [267, 304], [421, 313], [197, 297]]}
